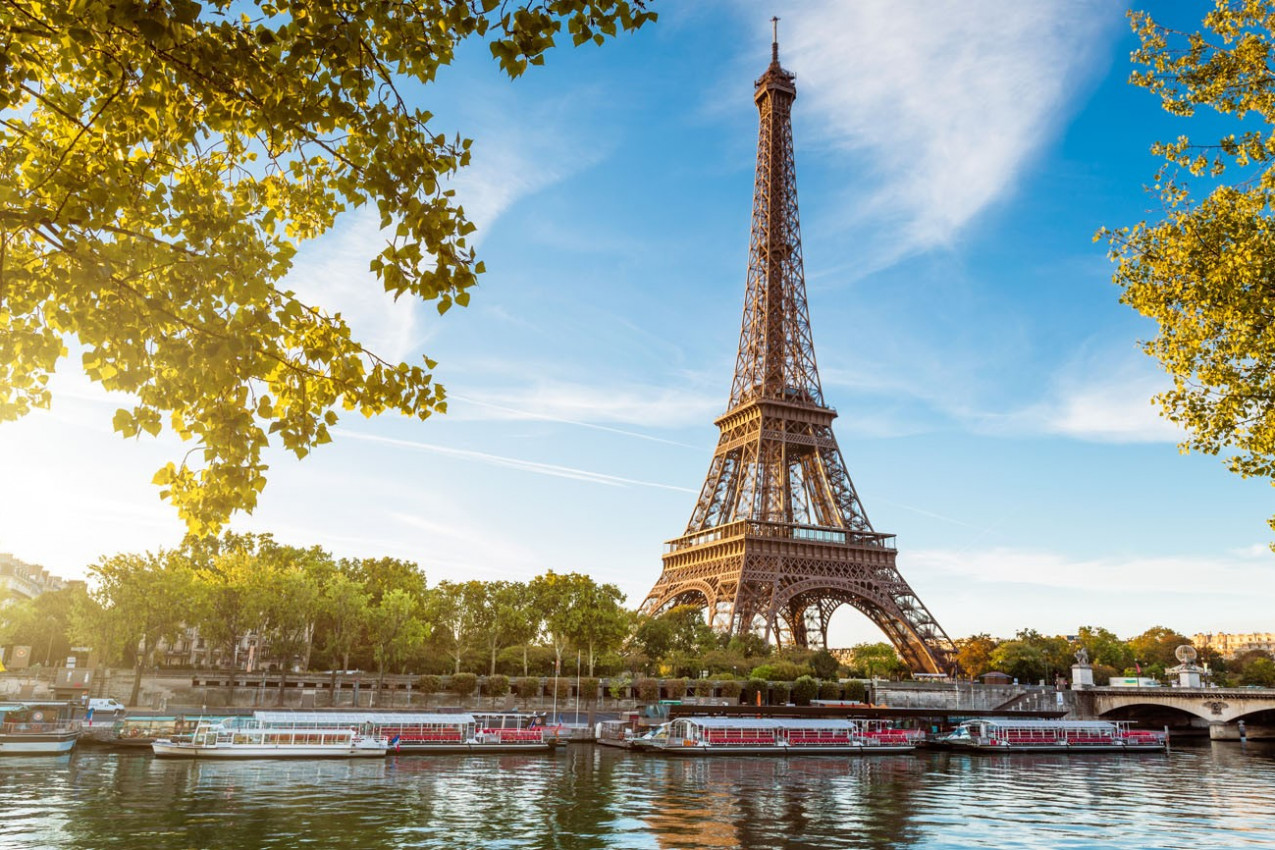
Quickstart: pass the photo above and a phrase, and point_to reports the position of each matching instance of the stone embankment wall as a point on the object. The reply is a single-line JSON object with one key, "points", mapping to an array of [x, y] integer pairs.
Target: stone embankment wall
{"points": [[956, 696], [180, 691]]}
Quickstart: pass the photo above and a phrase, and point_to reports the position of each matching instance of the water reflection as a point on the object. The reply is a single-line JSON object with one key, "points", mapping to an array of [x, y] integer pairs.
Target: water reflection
{"points": [[595, 798]]}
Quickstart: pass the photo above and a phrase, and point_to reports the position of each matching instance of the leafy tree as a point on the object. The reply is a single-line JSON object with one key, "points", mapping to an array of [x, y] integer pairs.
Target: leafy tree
{"points": [[161, 164], [44, 623], [293, 597], [497, 685], [1256, 668], [824, 664], [145, 597], [228, 599], [498, 616], [1022, 659], [1157, 646], [1105, 648], [653, 637], [877, 660], [377, 576], [1259, 671], [1202, 271], [454, 610], [395, 631], [343, 614], [974, 654], [749, 645]]}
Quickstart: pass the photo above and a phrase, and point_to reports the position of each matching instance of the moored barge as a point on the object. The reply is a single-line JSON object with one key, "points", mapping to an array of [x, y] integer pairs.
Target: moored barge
{"points": [[756, 736], [421, 732], [1012, 735], [37, 728]]}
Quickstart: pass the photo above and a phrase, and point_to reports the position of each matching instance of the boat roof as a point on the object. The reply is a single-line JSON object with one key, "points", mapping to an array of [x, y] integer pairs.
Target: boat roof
{"points": [[380, 718], [770, 722], [1043, 723]]}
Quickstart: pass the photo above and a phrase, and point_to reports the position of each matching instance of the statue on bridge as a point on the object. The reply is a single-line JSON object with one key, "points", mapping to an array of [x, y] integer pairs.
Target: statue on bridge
{"points": [[1082, 656]]}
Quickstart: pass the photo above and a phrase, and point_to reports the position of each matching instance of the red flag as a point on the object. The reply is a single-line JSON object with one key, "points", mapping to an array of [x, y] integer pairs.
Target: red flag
{"points": [[1137, 666]]}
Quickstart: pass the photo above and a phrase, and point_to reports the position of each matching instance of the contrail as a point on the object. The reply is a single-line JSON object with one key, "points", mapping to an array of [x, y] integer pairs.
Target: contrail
{"points": [[514, 463]]}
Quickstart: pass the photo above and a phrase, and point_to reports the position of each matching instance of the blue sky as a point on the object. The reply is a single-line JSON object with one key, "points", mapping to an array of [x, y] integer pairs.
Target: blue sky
{"points": [[954, 161]]}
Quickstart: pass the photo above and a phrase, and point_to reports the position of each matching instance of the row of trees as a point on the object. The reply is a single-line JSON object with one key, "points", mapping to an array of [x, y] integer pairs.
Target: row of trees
{"points": [[253, 602], [1030, 656]]}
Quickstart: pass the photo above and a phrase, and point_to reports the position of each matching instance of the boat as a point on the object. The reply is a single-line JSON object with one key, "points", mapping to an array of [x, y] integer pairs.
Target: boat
{"points": [[241, 738], [142, 731], [37, 728], [772, 736], [422, 732], [1031, 735]]}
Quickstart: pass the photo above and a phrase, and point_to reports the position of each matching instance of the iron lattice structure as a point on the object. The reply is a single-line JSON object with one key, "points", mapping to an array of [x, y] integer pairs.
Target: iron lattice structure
{"points": [[778, 539]]}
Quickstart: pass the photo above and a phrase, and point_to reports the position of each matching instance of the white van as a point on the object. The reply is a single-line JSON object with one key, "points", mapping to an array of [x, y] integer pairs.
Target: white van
{"points": [[106, 706]]}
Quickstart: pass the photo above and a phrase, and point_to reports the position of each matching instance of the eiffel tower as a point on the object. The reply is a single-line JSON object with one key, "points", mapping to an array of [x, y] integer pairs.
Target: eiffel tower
{"points": [[778, 539]]}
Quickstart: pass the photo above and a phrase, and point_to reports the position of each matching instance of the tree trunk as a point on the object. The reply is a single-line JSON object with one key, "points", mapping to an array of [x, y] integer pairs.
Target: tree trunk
{"points": [[137, 683], [283, 680], [492, 672], [524, 660]]}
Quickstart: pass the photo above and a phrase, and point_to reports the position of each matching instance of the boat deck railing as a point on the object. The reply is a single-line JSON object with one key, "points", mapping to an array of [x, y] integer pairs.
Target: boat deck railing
{"points": [[36, 728]]}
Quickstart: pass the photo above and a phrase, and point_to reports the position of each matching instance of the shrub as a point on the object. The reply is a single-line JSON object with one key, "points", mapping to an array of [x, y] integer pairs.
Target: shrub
{"points": [[675, 688], [856, 691], [529, 687], [648, 690], [463, 684], [704, 687], [496, 686], [752, 688], [781, 671], [429, 684], [620, 687], [559, 686], [589, 690], [804, 690], [731, 689], [830, 690], [779, 692]]}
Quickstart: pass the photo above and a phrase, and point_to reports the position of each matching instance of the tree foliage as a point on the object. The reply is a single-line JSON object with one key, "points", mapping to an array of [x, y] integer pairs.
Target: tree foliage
{"points": [[163, 161], [1203, 270]]}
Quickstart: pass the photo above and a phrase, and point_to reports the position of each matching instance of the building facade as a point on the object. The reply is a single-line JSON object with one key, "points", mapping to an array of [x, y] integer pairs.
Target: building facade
{"points": [[1230, 645]]}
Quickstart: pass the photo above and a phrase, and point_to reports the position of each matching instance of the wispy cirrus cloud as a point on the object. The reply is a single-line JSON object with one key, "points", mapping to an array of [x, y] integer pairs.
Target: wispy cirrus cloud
{"points": [[521, 148], [535, 467], [943, 103], [593, 406], [1228, 574]]}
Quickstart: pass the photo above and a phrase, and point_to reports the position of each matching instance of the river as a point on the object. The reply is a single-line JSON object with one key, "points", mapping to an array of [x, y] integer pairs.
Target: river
{"points": [[1201, 795]]}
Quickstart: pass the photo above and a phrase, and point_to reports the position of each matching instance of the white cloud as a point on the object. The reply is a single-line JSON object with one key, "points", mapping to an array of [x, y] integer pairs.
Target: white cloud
{"points": [[943, 103], [1099, 398], [1225, 574]]}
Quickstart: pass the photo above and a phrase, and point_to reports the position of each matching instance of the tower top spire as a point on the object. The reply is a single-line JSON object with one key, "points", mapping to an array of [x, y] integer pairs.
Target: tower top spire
{"points": [[774, 41]]}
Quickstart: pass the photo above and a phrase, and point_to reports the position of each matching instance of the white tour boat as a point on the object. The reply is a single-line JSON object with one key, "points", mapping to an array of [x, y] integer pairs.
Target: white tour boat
{"points": [[772, 736], [1030, 735], [252, 740], [37, 728], [422, 732]]}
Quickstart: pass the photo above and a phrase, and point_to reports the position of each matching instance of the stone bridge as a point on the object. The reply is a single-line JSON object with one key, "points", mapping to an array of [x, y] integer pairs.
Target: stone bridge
{"points": [[1220, 710]]}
